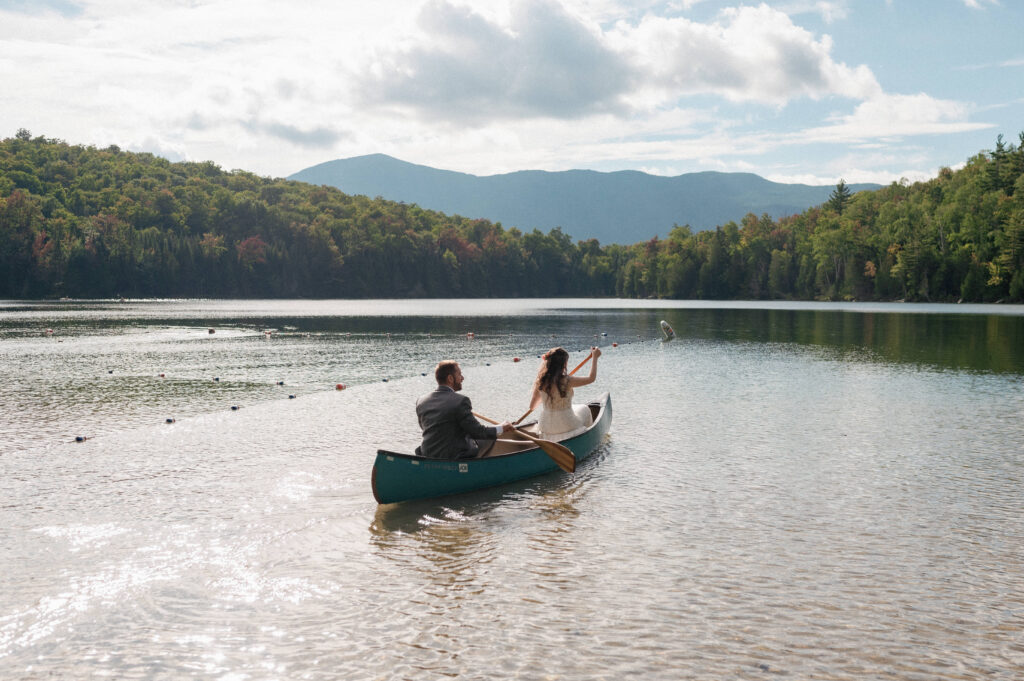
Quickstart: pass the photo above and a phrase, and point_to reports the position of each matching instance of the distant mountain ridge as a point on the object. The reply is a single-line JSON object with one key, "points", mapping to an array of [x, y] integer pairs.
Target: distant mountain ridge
{"points": [[618, 207]]}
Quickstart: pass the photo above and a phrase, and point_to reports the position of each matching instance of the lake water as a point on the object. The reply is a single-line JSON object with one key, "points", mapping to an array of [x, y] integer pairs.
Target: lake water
{"points": [[828, 491]]}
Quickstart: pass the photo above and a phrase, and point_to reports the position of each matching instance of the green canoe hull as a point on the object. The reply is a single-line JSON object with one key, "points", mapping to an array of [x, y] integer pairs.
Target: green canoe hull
{"points": [[403, 477]]}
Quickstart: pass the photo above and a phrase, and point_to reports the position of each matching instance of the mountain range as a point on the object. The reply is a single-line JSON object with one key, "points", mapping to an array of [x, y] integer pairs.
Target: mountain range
{"points": [[622, 207]]}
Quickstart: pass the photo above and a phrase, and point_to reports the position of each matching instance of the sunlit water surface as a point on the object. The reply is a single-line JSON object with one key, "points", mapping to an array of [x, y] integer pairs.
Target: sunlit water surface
{"points": [[787, 491]]}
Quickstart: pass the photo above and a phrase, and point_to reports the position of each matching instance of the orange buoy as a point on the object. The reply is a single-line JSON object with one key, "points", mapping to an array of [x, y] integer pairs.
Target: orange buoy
{"points": [[340, 386], [162, 376], [470, 335], [515, 359], [615, 345]]}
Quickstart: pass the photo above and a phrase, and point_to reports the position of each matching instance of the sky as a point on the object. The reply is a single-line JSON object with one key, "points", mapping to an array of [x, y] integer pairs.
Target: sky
{"points": [[809, 91]]}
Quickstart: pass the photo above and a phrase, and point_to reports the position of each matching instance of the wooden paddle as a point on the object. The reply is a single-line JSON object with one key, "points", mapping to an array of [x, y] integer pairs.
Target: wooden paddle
{"points": [[578, 367], [560, 454]]}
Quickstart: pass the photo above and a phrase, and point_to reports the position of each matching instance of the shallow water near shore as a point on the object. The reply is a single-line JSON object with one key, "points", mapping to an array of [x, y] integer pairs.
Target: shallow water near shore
{"points": [[787, 490]]}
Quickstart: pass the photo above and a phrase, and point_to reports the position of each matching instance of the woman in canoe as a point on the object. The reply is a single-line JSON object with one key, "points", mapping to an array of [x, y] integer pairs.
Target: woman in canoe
{"points": [[553, 390]]}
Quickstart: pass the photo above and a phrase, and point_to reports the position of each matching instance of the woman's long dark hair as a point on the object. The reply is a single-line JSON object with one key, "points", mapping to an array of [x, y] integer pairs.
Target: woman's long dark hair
{"points": [[552, 372]]}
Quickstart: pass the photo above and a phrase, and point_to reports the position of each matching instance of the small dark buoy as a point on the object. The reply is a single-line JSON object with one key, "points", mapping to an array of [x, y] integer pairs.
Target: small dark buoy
{"points": [[170, 420], [162, 376], [488, 364], [384, 380], [604, 333], [234, 407], [280, 382], [110, 371], [211, 331], [424, 373], [80, 438], [291, 397]]}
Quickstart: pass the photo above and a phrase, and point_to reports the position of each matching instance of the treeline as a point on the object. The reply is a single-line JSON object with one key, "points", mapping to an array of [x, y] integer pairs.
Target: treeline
{"points": [[85, 222]]}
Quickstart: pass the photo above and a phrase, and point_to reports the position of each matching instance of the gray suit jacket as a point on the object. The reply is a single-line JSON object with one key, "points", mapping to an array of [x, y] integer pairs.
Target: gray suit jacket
{"points": [[450, 430]]}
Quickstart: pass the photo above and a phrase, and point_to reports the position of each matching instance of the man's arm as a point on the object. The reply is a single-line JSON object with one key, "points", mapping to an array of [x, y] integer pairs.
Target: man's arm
{"points": [[471, 426]]}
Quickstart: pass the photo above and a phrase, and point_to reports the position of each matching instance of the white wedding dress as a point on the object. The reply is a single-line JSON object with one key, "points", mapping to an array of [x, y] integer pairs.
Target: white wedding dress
{"points": [[560, 418]]}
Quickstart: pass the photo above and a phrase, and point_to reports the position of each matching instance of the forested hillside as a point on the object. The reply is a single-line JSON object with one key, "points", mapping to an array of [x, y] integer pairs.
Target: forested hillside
{"points": [[85, 222]]}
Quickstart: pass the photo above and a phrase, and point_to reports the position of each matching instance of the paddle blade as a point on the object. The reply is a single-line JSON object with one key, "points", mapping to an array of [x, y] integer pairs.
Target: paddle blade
{"points": [[560, 454]]}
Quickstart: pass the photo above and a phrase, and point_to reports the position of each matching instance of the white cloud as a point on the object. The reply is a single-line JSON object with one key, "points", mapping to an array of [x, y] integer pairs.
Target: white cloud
{"points": [[749, 54], [830, 10], [464, 66], [549, 63], [895, 116]]}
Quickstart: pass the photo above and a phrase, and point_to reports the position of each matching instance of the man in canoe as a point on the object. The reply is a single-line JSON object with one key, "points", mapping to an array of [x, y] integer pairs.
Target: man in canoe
{"points": [[450, 431]]}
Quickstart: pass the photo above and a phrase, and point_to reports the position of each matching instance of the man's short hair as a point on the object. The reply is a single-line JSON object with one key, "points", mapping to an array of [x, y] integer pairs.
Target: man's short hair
{"points": [[445, 369]]}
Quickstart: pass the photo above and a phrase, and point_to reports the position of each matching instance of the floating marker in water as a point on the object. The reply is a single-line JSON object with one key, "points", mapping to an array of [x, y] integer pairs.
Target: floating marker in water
{"points": [[340, 386], [291, 397], [384, 380], [211, 331], [216, 378], [280, 382], [170, 420], [162, 376], [515, 359], [615, 345], [234, 407], [667, 330], [80, 438], [423, 373], [110, 371], [470, 335], [488, 364]]}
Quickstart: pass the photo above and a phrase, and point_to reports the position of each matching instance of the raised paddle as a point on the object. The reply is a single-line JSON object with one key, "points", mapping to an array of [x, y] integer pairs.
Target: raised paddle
{"points": [[560, 454], [578, 367]]}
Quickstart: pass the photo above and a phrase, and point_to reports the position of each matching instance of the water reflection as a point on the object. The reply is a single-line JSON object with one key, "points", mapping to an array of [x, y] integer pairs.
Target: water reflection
{"points": [[947, 341]]}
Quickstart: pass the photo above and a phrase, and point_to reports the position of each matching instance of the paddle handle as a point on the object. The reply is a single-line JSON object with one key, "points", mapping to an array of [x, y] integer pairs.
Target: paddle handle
{"points": [[580, 365], [484, 418]]}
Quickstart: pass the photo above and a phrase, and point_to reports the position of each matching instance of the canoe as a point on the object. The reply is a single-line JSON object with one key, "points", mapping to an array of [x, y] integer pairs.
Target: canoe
{"points": [[400, 477]]}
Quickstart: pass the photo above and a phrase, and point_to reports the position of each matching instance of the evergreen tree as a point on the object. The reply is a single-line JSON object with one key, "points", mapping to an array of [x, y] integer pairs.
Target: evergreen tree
{"points": [[839, 197]]}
